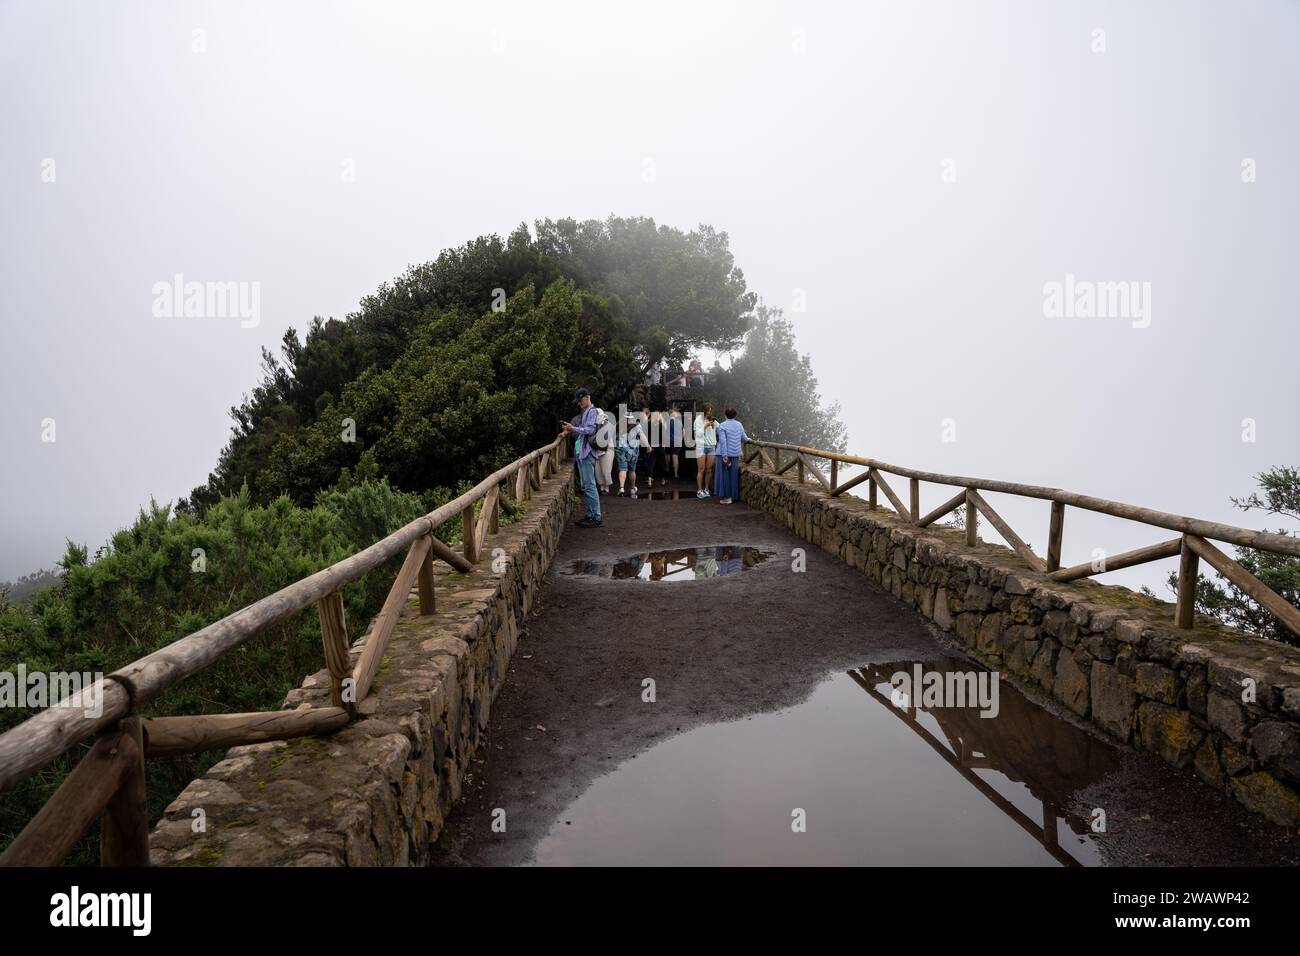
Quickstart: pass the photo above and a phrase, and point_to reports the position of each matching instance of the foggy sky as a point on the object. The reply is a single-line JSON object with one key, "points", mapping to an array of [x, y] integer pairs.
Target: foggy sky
{"points": [[817, 136]]}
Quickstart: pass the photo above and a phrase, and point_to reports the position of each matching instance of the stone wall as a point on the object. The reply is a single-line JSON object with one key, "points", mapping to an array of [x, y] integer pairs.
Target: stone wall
{"points": [[1111, 656], [377, 792]]}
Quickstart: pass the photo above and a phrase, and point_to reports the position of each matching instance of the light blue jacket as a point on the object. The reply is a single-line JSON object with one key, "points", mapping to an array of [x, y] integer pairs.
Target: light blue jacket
{"points": [[631, 438], [586, 427], [731, 434]]}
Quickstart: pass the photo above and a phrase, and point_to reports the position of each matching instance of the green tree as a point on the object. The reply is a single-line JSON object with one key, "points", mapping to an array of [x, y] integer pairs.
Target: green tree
{"points": [[143, 590], [1220, 598], [27, 585], [775, 391], [679, 290], [647, 292], [447, 373], [466, 396]]}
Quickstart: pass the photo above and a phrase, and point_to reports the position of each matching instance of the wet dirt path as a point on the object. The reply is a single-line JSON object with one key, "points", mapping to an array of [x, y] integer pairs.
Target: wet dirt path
{"points": [[742, 645]]}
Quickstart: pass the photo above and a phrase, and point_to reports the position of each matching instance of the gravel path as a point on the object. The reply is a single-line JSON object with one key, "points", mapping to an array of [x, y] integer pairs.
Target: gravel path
{"points": [[591, 642]]}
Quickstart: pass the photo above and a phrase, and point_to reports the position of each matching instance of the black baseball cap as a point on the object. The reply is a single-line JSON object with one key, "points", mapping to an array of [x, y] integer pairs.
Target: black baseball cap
{"points": [[577, 396]]}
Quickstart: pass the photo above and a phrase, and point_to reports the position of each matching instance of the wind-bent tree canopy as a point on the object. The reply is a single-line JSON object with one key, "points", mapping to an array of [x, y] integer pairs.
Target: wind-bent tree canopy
{"points": [[463, 363], [679, 291]]}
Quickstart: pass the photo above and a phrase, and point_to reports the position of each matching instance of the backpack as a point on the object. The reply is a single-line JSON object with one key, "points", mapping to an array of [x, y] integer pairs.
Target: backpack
{"points": [[600, 440]]}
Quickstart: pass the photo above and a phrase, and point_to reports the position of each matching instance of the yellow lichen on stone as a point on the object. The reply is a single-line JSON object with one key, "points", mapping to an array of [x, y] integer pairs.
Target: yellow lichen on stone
{"points": [[1264, 794]]}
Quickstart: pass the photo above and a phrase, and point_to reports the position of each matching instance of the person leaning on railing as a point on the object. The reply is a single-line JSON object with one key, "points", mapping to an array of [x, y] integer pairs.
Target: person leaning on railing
{"points": [[731, 436]]}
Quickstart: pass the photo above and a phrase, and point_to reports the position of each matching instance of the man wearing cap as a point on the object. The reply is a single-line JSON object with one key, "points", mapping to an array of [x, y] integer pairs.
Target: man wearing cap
{"points": [[586, 455]]}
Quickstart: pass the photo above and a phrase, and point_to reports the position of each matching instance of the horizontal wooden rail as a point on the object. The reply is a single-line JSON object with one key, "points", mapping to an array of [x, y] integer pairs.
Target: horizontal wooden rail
{"points": [[1262, 540], [170, 736], [1192, 546], [37, 741], [1115, 562]]}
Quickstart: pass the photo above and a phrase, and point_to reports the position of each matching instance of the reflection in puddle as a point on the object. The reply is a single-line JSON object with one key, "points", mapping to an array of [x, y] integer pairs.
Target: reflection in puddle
{"points": [[879, 785], [679, 564]]}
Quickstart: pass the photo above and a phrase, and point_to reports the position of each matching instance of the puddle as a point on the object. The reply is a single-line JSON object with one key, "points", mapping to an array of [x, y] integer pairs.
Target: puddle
{"points": [[879, 784], [679, 564]]}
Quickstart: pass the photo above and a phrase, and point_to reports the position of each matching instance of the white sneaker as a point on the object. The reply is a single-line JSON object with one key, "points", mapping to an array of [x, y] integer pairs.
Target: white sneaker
{"points": [[700, 494], [707, 493], [724, 501]]}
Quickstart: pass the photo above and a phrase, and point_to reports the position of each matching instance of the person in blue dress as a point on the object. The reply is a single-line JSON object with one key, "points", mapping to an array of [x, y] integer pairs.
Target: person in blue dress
{"points": [[731, 437]]}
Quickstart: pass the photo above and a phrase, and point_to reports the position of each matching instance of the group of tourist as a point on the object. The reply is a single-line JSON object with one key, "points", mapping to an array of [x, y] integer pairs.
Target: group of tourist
{"points": [[655, 443], [692, 376]]}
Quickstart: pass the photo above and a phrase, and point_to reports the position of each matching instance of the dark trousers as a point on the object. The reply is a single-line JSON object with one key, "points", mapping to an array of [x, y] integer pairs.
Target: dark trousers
{"points": [[658, 466]]}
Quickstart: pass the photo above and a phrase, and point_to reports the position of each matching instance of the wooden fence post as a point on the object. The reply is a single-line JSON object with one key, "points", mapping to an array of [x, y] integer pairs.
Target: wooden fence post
{"points": [[468, 529], [1188, 565], [835, 473], [124, 827], [1054, 531], [916, 500], [334, 641], [971, 520], [428, 599]]}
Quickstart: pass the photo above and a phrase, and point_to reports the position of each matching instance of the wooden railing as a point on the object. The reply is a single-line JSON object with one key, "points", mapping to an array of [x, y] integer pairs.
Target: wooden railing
{"points": [[1192, 544], [110, 779]]}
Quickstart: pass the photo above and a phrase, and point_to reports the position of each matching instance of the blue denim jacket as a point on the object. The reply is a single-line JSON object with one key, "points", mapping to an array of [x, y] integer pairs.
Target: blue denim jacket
{"points": [[586, 427]]}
